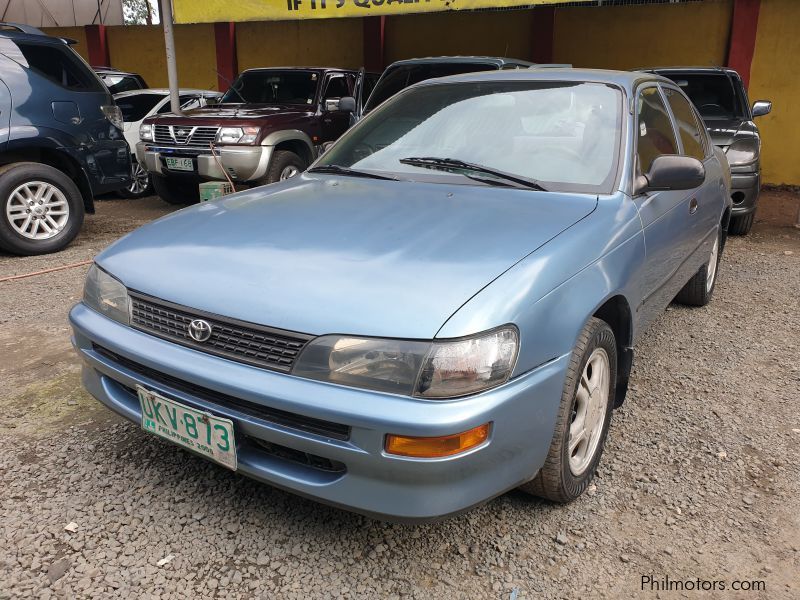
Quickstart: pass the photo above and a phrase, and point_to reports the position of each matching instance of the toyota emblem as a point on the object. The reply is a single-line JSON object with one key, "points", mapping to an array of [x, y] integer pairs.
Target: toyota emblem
{"points": [[199, 330]]}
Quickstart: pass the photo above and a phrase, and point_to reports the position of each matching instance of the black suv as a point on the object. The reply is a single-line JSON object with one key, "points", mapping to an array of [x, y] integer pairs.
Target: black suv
{"points": [[61, 141], [721, 99]]}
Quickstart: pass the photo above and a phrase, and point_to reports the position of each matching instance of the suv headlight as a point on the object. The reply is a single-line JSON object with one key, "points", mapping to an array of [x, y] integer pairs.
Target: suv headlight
{"points": [[436, 369], [146, 132], [106, 295], [742, 152], [237, 135]]}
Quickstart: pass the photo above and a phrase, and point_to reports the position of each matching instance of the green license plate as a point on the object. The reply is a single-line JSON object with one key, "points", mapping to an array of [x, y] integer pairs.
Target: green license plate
{"points": [[200, 431], [180, 164]]}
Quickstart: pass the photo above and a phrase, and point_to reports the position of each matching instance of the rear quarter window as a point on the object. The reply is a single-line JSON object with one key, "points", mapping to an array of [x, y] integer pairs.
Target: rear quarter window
{"points": [[60, 65]]}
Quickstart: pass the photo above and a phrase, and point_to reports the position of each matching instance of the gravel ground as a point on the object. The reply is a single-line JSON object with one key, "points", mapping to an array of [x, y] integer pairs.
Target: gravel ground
{"points": [[700, 479]]}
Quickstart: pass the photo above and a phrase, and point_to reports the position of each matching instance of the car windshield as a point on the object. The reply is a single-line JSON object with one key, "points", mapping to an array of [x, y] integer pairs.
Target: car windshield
{"points": [[120, 83], [714, 94], [563, 135], [273, 86], [400, 77]]}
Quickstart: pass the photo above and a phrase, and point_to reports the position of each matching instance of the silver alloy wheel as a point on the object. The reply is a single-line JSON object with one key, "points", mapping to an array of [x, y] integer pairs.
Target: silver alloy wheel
{"points": [[589, 412], [141, 179], [712, 266], [289, 171], [37, 210]]}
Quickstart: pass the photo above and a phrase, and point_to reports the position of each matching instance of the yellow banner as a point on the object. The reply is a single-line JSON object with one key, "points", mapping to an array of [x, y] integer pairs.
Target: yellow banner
{"points": [[209, 11]]}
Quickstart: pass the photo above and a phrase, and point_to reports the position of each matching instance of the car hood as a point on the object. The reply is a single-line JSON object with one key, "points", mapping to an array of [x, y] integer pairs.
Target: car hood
{"points": [[723, 133], [325, 254], [235, 114]]}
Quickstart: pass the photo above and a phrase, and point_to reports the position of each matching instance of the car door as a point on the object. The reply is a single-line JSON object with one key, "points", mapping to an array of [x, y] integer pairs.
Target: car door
{"points": [[704, 219], [5, 114], [334, 121], [665, 215]]}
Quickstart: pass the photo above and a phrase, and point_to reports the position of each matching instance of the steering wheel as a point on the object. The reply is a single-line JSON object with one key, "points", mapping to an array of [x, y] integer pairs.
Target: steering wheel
{"points": [[712, 106]]}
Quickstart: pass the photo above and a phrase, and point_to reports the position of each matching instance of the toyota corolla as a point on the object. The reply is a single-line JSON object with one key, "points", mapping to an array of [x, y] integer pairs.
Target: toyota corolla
{"points": [[443, 308]]}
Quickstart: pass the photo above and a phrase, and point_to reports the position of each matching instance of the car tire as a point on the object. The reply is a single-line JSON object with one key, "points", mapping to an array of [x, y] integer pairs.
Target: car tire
{"points": [[175, 191], [572, 459], [51, 222], [141, 185], [283, 165], [742, 224], [699, 289]]}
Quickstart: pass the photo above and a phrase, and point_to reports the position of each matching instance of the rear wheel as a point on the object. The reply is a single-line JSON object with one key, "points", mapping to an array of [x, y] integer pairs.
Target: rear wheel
{"points": [[698, 290], [140, 182], [174, 190], [583, 418], [742, 224], [41, 209]]}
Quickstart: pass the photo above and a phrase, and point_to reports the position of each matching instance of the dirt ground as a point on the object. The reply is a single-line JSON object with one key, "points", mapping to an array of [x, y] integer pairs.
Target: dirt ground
{"points": [[699, 484]]}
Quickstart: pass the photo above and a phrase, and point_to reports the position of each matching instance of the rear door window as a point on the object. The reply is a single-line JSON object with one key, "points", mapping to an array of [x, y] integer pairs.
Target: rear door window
{"points": [[691, 135], [654, 129], [60, 65]]}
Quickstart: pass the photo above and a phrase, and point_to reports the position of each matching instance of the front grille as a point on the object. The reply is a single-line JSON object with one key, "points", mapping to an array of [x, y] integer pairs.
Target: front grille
{"points": [[172, 135], [235, 340], [273, 415]]}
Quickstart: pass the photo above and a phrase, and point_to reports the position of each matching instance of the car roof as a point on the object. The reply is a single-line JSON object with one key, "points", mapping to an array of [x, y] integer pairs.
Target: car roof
{"points": [[295, 68], [112, 71], [495, 60], [20, 31], [165, 92], [625, 79], [688, 70]]}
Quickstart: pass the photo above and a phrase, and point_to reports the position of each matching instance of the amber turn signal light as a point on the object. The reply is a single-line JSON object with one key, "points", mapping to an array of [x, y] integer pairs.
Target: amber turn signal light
{"points": [[435, 447]]}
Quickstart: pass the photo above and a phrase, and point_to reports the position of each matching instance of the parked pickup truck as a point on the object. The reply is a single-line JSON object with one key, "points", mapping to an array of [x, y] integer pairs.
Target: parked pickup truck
{"points": [[269, 126]]}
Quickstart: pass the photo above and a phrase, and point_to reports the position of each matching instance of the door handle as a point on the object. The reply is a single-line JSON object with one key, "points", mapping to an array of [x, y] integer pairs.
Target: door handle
{"points": [[692, 206]]}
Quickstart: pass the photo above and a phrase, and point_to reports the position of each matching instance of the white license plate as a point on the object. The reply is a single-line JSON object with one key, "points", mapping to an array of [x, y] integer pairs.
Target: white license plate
{"points": [[180, 164], [200, 431]]}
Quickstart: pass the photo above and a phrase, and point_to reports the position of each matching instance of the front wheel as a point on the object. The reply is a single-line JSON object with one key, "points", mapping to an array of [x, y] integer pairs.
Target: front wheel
{"points": [[283, 165], [41, 209], [176, 191], [583, 417], [742, 224], [140, 182]]}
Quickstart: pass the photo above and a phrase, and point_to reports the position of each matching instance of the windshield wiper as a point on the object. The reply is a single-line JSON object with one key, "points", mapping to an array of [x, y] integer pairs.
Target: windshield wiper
{"points": [[340, 170], [454, 164]]}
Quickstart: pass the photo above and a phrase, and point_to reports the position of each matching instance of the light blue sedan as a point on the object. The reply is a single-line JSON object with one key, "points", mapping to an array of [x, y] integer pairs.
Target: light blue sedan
{"points": [[443, 308]]}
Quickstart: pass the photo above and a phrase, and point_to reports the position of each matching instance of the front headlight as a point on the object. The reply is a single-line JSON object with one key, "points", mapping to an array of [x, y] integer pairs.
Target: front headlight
{"points": [[742, 152], [106, 295], [437, 370], [237, 135], [146, 132]]}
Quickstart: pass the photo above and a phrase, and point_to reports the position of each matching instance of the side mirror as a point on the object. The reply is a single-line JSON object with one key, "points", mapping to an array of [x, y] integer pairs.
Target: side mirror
{"points": [[672, 172], [332, 104], [761, 108], [325, 147], [347, 104]]}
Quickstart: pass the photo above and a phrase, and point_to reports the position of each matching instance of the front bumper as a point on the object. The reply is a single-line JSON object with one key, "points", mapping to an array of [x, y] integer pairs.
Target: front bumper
{"points": [[745, 188], [241, 163], [522, 413]]}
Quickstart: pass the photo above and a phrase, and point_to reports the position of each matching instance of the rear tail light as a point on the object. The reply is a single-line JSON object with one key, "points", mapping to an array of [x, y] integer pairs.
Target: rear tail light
{"points": [[113, 114]]}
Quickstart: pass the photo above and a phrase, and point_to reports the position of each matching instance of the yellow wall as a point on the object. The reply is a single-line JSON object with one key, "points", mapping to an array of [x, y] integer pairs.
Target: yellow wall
{"points": [[324, 43], [775, 75], [140, 48], [75, 33], [498, 33], [626, 37]]}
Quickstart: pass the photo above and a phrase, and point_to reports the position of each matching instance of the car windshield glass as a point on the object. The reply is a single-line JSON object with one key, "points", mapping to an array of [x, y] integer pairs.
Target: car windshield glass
{"points": [[120, 83], [400, 77], [713, 94], [273, 86], [135, 108], [563, 135]]}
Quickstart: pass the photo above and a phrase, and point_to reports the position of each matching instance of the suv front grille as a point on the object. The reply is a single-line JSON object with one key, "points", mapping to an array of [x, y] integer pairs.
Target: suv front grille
{"points": [[184, 135], [236, 340]]}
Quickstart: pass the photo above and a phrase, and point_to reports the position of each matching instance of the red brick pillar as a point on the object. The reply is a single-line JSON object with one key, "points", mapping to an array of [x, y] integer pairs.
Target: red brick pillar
{"points": [[542, 34], [374, 48], [97, 45], [743, 37], [227, 63]]}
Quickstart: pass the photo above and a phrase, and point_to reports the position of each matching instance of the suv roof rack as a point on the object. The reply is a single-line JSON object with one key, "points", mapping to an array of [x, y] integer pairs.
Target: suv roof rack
{"points": [[22, 28]]}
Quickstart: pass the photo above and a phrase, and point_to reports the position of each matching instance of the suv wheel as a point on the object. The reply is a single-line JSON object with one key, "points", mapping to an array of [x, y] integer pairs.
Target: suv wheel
{"points": [[140, 182], [41, 209], [284, 165], [583, 418], [742, 224], [176, 191]]}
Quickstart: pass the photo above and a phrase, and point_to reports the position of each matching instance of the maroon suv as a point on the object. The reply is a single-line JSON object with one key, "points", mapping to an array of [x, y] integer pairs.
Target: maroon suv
{"points": [[268, 126]]}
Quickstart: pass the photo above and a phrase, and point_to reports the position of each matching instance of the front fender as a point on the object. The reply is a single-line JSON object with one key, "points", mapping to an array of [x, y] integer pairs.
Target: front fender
{"points": [[551, 294]]}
